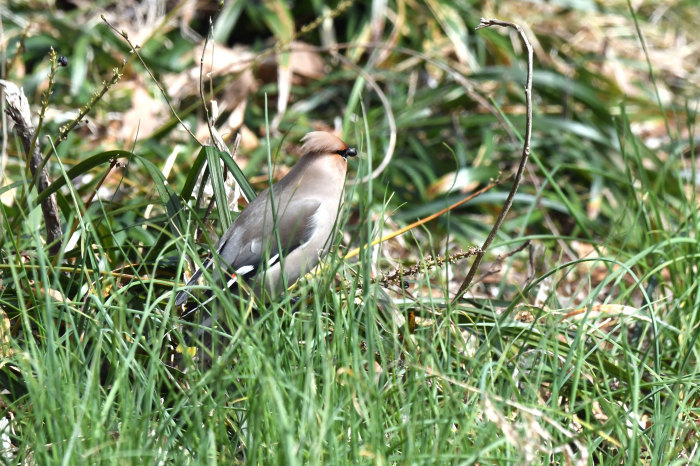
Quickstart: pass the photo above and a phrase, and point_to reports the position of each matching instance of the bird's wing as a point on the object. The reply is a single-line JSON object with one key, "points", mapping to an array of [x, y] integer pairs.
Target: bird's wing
{"points": [[295, 224], [254, 240]]}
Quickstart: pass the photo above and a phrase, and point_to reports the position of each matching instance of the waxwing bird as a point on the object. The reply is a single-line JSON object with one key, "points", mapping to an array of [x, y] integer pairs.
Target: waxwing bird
{"points": [[283, 233]]}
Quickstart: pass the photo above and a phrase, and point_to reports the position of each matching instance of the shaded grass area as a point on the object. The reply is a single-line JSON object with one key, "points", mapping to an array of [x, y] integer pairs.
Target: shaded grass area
{"points": [[581, 348]]}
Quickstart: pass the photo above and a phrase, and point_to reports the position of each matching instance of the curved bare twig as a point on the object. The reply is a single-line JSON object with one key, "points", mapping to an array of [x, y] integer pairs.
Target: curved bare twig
{"points": [[523, 159]]}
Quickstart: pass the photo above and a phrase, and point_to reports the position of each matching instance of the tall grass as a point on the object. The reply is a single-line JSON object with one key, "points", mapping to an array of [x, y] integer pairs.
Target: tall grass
{"points": [[582, 348]]}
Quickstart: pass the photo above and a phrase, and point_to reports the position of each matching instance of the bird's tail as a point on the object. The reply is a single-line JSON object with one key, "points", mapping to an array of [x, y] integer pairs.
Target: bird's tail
{"points": [[183, 295]]}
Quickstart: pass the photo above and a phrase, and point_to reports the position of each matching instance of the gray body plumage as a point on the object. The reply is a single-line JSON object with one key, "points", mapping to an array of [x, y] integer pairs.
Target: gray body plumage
{"points": [[299, 217]]}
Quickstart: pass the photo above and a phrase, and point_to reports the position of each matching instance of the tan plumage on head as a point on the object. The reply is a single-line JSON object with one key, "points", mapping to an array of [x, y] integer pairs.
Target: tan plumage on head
{"points": [[302, 215], [321, 141]]}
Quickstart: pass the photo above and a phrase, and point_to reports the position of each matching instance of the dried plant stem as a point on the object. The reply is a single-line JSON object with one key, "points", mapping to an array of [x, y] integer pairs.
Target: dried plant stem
{"points": [[397, 276], [117, 74], [19, 112], [65, 129], [35, 165], [523, 159], [134, 49], [420, 222]]}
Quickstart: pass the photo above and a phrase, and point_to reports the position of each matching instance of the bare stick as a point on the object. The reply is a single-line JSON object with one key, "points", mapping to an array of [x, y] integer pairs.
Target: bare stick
{"points": [[18, 111], [523, 159]]}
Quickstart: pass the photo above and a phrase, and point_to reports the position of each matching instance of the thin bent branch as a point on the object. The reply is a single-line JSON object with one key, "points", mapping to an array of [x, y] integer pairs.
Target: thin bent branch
{"points": [[483, 23]]}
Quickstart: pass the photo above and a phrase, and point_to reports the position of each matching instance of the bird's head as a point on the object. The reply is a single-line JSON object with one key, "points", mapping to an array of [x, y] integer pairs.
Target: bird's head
{"points": [[321, 142]]}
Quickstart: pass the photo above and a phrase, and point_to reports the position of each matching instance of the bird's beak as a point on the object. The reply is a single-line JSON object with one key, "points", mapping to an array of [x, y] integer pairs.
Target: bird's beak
{"points": [[349, 152]]}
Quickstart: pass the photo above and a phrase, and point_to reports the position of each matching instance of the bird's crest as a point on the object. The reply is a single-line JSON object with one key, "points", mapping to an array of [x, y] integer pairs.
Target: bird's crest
{"points": [[322, 142]]}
